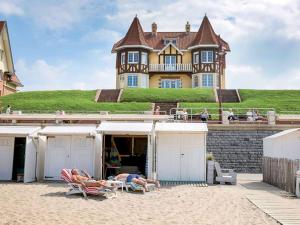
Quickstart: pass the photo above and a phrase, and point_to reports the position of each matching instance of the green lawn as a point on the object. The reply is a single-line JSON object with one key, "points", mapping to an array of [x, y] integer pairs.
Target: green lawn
{"points": [[140, 100], [285, 101], [69, 101], [168, 95]]}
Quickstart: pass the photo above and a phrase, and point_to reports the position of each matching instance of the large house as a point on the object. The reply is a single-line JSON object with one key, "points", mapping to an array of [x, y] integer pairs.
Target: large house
{"points": [[170, 59], [9, 81]]}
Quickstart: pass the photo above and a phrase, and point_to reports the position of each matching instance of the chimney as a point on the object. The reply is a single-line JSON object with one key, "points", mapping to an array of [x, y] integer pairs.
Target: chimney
{"points": [[187, 27], [154, 28]]}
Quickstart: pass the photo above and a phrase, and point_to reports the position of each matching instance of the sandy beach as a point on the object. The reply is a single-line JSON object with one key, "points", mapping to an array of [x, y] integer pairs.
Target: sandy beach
{"points": [[46, 203]]}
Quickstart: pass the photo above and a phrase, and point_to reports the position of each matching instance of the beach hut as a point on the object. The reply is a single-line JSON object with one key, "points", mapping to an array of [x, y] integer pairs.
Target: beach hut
{"points": [[18, 153], [133, 144], [68, 147], [281, 159], [180, 151]]}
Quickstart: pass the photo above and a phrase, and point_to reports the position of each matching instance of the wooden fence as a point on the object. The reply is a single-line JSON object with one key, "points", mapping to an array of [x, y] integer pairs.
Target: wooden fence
{"points": [[280, 172]]}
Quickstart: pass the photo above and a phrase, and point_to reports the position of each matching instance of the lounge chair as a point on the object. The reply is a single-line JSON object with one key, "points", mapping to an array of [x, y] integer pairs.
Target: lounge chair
{"points": [[75, 188], [225, 175], [134, 186]]}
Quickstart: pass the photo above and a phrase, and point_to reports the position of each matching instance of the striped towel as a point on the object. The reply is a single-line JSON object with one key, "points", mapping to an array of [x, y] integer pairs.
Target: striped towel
{"points": [[66, 175]]}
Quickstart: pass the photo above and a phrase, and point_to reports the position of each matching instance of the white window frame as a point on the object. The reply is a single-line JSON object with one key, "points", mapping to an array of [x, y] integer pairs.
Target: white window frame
{"points": [[170, 40], [144, 58], [196, 57], [168, 83], [133, 57], [204, 56], [131, 84], [122, 58], [206, 81]]}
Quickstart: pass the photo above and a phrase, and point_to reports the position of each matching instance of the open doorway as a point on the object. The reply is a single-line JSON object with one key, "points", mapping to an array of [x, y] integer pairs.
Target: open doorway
{"points": [[19, 159], [131, 154]]}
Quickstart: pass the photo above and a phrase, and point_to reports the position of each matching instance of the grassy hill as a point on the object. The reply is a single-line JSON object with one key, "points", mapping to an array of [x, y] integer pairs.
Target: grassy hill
{"points": [[286, 101], [168, 95], [140, 100], [70, 100]]}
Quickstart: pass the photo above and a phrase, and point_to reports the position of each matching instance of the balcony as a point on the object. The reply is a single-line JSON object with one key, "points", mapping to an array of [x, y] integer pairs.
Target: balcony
{"points": [[170, 67]]}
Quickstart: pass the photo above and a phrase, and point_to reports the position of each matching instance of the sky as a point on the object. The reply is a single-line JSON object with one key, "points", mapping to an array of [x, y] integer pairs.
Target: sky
{"points": [[66, 44]]}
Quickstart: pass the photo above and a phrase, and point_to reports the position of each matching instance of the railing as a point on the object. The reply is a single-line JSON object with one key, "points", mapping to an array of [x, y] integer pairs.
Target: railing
{"points": [[170, 67], [194, 114]]}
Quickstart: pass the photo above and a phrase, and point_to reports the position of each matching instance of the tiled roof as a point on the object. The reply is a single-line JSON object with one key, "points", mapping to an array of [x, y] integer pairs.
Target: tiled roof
{"points": [[14, 79], [206, 34], [134, 36], [2, 23], [184, 40]]}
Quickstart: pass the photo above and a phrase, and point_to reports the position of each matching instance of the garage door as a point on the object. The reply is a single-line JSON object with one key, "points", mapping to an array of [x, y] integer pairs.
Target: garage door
{"points": [[6, 157], [68, 152], [180, 157]]}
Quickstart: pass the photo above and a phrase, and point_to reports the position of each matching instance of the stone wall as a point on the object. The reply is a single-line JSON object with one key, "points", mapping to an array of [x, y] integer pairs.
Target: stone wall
{"points": [[238, 149]]}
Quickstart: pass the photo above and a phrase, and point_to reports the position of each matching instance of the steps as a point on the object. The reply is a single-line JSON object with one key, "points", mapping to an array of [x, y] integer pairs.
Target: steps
{"points": [[165, 107], [108, 95], [229, 95]]}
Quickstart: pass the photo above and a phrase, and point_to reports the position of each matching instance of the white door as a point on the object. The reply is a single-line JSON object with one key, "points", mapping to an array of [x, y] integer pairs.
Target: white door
{"points": [[57, 156], [6, 157], [168, 157], [82, 153], [180, 157], [30, 161], [192, 162]]}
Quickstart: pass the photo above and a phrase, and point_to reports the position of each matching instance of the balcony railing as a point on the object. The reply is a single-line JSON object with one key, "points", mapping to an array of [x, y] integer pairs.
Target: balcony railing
{"points": [[170, 67]]}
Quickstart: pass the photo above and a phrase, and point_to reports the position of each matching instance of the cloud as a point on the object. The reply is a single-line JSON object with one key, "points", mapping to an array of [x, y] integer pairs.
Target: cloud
{"points": [[41, 75], [249, 77], [102, 35], [233, 19], [10, 7]]}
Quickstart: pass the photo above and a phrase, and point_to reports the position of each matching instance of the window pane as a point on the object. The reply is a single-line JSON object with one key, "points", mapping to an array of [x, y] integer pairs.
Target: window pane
{"points": [[203, 56], [130, 57], [210, 56], [136, 57], [144, 58], [132, 81], [196, 58]]}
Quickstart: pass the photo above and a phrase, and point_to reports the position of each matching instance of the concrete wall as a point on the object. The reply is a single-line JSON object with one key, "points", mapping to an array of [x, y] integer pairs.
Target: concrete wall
{"points": [[238, 148]]}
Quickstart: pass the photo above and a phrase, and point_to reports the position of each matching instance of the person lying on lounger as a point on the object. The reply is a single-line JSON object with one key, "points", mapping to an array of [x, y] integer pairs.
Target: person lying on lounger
{"points": [[86, 181], [137, 179]]}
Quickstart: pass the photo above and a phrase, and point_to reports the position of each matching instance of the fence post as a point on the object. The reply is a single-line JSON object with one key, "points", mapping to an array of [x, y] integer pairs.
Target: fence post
{"points": [[225, 119], [271, 117]]}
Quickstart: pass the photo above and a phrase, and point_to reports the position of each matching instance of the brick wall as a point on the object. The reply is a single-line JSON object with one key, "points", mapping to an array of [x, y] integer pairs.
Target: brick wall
{"points": [[241, 150]]}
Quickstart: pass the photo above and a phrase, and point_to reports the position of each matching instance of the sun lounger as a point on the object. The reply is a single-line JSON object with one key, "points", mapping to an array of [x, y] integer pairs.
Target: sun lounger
{"points": [[225, 175], [136, 187], [75, 188]]}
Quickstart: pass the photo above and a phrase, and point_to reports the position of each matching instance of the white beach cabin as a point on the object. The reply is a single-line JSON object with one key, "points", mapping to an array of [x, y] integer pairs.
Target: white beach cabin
{"points": [[181, 151], [134, 143], [68, 147], [281, 160], [285, 144], [18, 153]]}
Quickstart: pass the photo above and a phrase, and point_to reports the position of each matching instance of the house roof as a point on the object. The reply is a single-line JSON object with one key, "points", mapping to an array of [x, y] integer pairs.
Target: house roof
{"points": [[14, 79], [134, 36], [205, 36], [2, 23]]}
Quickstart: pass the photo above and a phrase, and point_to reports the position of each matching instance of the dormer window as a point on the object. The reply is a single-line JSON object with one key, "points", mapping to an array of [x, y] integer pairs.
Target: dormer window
{"points": [[170, 40], [133, 57]]}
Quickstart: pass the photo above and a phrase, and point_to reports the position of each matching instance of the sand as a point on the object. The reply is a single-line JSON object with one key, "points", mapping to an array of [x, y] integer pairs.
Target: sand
{"points": [[46, 203]]}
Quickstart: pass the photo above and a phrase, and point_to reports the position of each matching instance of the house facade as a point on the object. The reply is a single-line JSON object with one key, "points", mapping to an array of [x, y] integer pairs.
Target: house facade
{"points": [[9, 81], [170, 59]]}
